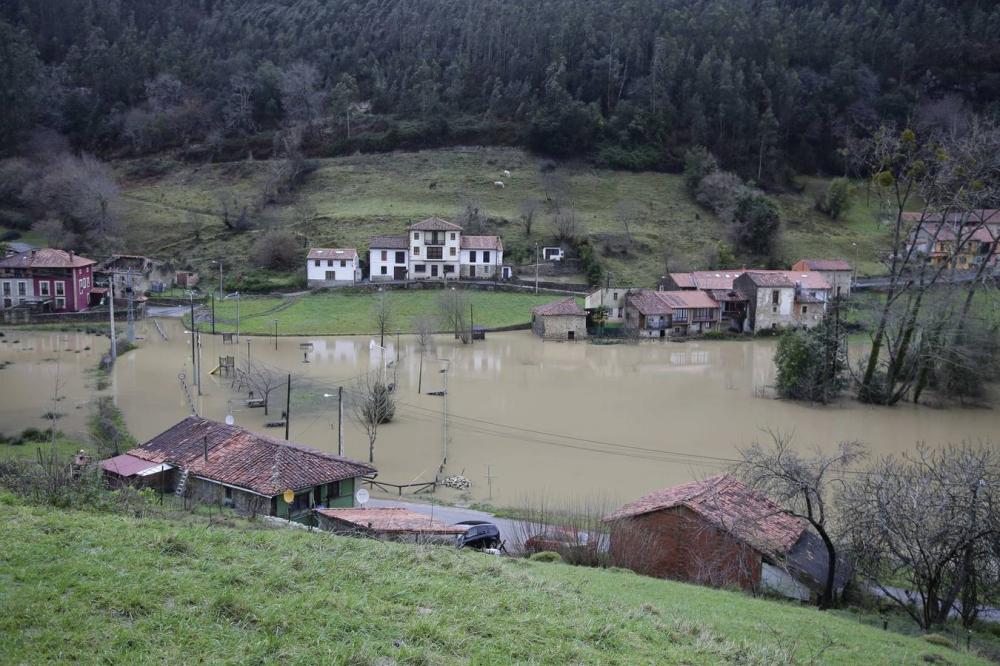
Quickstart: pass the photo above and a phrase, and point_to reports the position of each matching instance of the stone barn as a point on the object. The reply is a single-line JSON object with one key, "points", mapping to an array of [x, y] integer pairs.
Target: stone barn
{"points": [[561, 320]]}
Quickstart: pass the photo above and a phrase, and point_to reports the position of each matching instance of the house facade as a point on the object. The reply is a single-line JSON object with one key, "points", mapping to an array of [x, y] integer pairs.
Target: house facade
{"points": [[434, 249], [332, 267], [561, 320], [612, 300], [965, 246], [54, 280], [721, 533], [780, 299], [144, 274], [664, 314], [216, 463], [837, 272]]}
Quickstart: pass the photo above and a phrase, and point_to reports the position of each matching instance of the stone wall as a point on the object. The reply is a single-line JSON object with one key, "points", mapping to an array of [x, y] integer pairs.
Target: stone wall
{"points": [[558, 327]]}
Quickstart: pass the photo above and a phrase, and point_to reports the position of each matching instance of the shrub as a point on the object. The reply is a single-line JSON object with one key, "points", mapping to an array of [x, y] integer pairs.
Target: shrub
{"points": [[834, 198], [756, 223], [720, 192], [938, 639], [277, 250], [546, 556], [698, 163]]}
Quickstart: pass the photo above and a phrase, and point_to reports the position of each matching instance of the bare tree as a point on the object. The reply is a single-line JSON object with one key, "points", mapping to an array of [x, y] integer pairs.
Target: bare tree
{"points": [[929, 519], [528, 209], [382, 315], [237, 110], [951, 176], [453, 307], [804, 486], [304, 217], [300, 95], [372, 405], [261, 381], [554, 184], [627, 213], [423, 328], [567, 225]]}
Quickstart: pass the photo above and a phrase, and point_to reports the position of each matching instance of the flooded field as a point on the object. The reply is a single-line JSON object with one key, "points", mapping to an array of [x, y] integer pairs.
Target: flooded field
{"points": [[526, 419]]}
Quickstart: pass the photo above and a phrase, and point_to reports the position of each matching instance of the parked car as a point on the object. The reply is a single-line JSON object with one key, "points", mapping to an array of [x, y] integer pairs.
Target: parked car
{"points": [[480, 534]]}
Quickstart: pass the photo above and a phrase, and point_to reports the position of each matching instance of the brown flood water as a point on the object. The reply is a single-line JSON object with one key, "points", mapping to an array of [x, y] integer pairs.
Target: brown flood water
{"points": [[563, 421]]}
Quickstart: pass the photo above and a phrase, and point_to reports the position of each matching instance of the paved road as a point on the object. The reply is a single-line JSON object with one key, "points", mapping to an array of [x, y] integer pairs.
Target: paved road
{"points": [[167, 311]]}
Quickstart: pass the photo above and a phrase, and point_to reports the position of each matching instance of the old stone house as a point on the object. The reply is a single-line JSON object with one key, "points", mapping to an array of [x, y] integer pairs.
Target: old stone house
{"points": [[561, 320], [837, 272], [664, 314], [720, 532], [216, 463]]}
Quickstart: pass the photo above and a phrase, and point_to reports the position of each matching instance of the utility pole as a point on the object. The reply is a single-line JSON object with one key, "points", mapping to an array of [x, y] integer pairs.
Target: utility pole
{"points": [[288, 405], [237, 317], [213, 314], [340, 421], [275, 335], [197, 372], [111, 309], [194, 343], [130, 311], [248, 359], [489, 479], [536, 268]]}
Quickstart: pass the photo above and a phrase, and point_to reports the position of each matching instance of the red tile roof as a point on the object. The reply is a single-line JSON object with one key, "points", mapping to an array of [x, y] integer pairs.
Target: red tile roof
{"points": [[388, 243], [435, 224], [238, 457], [647, 302], [391, 519], [332, 253], [728, 504], [566, 306], [126, 465], [687, 299], [481, 243], [720, 279], [821, 265], [45, 258], [965, 217], [770, 279]]}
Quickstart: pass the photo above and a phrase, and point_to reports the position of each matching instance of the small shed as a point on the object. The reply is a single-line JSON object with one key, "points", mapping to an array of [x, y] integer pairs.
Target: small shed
{"points": [[561, 320], [389, 523]]}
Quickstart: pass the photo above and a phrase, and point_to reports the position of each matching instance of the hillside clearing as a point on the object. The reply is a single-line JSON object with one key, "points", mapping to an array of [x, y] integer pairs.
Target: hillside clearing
{"points": [[142, 590], [352, 198]]}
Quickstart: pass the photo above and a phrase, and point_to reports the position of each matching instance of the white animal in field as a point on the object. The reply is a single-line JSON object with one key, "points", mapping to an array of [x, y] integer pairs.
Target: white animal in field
{"points": [[498, 184], [506, 173]]}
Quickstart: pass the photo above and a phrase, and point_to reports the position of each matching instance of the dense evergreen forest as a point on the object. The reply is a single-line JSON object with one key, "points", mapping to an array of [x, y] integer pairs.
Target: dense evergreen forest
{"points": [[768, 86]]}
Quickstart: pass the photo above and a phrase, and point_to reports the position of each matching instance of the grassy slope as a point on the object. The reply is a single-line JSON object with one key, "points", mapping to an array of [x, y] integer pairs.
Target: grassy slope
{"points": [[341, 313], [358, 196], [85, 588]]}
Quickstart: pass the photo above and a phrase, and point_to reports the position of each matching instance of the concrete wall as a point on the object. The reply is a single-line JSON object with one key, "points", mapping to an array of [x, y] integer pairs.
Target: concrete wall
{"points": [[838, 280], [558, 327], [376, 263], [679, 544], [613, 299], [345, 271]]}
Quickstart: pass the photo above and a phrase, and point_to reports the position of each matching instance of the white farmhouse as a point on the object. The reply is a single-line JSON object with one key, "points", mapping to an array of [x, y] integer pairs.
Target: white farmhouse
{"points": [[332, 267], [434, 249]]}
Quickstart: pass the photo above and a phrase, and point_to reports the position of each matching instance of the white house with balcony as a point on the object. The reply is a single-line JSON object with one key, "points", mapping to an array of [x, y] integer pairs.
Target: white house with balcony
{"points": [[434, 249], [332, 267]]}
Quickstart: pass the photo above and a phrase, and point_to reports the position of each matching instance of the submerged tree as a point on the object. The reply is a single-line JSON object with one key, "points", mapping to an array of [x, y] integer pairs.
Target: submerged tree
{"points": [[811, 363], [372, 405]]}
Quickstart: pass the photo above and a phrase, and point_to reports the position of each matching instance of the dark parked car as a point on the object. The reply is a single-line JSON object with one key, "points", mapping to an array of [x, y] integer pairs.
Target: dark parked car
{"points": [[480, 534]]}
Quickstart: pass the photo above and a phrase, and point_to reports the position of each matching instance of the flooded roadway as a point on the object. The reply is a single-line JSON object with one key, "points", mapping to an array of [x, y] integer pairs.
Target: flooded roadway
{"points": [[527, 419]]}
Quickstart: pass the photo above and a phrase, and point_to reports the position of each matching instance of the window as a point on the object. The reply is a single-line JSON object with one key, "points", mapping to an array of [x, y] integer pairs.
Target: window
{"points": [[416, 236], [316, 263], [420, 268], [451, 251], [43, 288], [22, 288], [805, 309], [385, 254], [775, 296], [453, 236], [400, 257], [416, 250], [448, 268], [229, 493], [435, 252], [486, 257], [331, 275], [472, 256], [619, 313], [343, 263], [332, 490], [301, 502], [60, 288], [6, 288], [614, 296], [385, 271], [60, 302]]}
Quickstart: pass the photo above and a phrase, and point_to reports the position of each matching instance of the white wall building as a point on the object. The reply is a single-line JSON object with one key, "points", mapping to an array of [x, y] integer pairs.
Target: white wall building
{"points": [[611, 298], [434, 249], [332, 267]]}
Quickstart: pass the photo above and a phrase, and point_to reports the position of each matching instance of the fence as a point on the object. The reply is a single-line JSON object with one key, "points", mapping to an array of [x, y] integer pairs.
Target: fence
{"points": [[424, 487]]}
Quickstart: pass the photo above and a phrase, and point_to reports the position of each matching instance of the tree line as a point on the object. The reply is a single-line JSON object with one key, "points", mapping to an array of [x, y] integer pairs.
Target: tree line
{"points": [[767, 87]]}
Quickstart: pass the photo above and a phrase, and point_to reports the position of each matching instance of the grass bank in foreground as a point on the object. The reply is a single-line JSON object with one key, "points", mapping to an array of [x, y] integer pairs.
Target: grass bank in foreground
{"points": [[86, 588], [351, 312]]}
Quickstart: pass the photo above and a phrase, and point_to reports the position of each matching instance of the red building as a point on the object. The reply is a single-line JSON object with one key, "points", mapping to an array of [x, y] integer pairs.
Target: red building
{"points": [[720, 532], [54, 280]]}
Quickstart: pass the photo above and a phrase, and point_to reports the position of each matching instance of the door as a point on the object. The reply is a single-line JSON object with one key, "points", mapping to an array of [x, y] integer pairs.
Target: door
{"points": [[472, 271], [571, 335], [399, 273], [434, 270]]}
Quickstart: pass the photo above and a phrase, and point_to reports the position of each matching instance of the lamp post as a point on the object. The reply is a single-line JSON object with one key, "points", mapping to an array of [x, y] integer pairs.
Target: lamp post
{"points": [[275, 334], [221, 292], [856, 255], [372, 346]]}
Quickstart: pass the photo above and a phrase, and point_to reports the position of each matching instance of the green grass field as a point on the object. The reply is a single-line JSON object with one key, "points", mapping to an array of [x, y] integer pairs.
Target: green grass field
{"points": [[348, 312], [105, 588], [359, 196]]}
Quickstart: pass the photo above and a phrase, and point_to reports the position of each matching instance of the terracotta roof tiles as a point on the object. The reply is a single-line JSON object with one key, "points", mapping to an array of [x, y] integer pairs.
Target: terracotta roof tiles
{"points": [[332, 253], [391, 519], [45, 258], [435, 224], [566, 306]]}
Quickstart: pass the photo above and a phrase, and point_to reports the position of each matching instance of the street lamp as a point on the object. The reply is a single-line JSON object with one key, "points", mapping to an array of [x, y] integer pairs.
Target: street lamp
{"points": [[372, 345], [236, 295], [221, 292], [275, 334], [856, 255]]}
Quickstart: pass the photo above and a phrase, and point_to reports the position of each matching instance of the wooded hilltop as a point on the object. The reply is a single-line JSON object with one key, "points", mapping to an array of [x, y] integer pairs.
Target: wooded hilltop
{"points": [[769, 87]]}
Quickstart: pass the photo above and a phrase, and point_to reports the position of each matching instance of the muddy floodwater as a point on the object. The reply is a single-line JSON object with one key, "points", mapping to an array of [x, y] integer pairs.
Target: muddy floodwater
{"points": [[525, 419]]}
